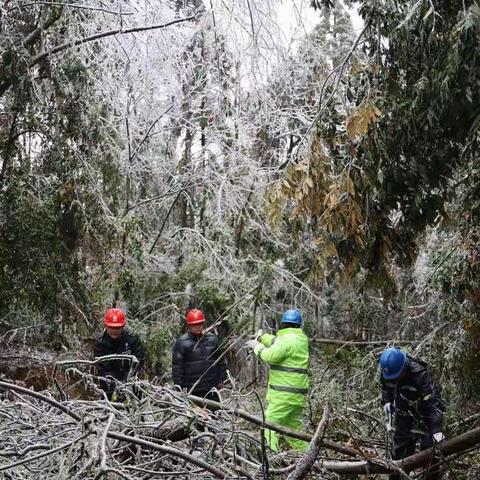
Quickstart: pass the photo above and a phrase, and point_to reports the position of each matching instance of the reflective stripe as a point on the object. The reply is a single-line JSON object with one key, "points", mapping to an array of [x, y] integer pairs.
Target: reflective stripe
{"points": [[281, 368], [280, 388], [409, 388], [422, 433]]}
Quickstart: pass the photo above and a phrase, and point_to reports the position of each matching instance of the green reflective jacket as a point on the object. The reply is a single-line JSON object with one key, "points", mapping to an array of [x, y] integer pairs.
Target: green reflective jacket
{"points": [[288, 356]]}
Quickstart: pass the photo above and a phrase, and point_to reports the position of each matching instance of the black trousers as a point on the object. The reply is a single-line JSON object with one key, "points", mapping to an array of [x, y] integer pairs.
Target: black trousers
{"points": [[404, 444]]}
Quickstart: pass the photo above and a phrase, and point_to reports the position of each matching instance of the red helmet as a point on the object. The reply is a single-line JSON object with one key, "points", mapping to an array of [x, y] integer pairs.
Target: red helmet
{"points": [[114, 317], [195, 316]]}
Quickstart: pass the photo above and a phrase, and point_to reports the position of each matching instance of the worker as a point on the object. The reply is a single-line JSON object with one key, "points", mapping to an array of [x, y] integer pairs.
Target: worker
{"points": [[117, 339], [287, 354], [198, 365], [412, 404]]}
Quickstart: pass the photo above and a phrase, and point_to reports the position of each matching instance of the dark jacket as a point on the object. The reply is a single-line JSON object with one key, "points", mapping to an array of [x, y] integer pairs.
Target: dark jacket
{"points": [[127, 344], [194, 358], [416, 397]]}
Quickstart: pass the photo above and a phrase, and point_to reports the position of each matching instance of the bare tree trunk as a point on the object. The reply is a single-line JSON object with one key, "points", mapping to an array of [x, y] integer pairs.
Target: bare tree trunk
{"points": [[185, 221]]}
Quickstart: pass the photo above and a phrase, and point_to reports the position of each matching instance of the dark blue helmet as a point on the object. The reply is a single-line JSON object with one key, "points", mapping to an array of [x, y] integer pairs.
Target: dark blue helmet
{"points": [[292, 316], [392, 362]]}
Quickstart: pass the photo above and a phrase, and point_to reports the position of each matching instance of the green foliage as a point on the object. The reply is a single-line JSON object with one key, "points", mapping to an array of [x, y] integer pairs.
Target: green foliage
{"points": [[379, 172], [345, 378], [38, 265], [190, 272], [456, 277], [158, 302], [50, 212], [333, 354], [158, 340]]}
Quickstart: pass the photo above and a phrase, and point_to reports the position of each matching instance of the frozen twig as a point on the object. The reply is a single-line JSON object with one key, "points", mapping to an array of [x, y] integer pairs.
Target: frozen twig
{"points": [[98, 36]]}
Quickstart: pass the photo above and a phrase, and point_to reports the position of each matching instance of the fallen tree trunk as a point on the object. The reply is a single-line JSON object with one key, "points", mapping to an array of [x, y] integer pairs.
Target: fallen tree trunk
{"points": [[337, 447], [456, 446], [459, 444], [305, 463]]}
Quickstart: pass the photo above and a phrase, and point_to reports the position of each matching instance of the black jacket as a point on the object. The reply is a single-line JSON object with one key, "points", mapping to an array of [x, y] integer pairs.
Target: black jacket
{"points": [[127, 344], [195, 357], [416, 397]]}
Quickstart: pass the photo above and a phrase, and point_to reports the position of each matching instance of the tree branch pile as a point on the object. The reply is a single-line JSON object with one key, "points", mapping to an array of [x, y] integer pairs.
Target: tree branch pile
{"points": [[159, 432]]}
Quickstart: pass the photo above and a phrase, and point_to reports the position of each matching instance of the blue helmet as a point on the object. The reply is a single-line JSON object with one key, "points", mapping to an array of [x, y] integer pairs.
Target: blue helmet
{"points": [[292, 316], [392, 362]]}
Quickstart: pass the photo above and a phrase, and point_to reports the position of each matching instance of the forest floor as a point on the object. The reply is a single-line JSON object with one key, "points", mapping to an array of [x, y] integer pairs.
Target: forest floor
{"points": [[56, 425]]}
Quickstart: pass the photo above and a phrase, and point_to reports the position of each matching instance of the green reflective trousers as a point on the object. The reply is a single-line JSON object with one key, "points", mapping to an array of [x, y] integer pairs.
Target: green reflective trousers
{"points": [[286, 409]]}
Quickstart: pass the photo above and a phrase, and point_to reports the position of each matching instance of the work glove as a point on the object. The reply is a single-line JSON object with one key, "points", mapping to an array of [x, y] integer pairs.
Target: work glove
{"points": [[258, 334], [251, 344], [258, 348], [389, 411], [439, 437]]}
